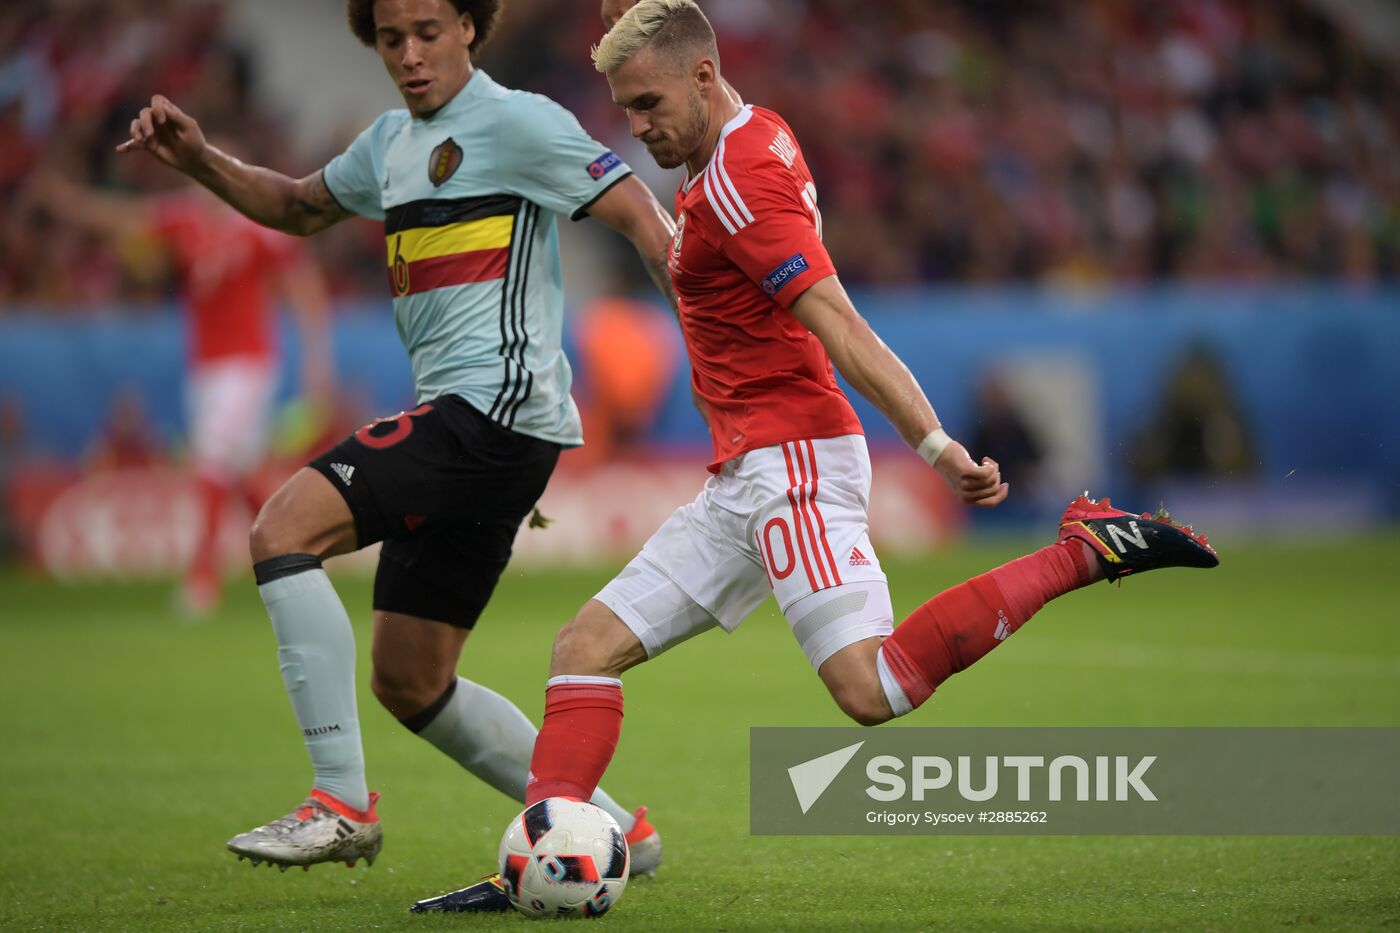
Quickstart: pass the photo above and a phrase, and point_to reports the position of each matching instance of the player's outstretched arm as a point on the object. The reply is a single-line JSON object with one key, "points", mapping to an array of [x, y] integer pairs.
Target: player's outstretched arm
{"points": [[106, 212], [298, 206], [877, 373]]}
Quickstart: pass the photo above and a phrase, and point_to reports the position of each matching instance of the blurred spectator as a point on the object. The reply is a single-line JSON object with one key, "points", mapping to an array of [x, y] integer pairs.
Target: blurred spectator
{"points": [[1199, 429], [126, 440], [627, 354], [12, 454], [1002, 433]]}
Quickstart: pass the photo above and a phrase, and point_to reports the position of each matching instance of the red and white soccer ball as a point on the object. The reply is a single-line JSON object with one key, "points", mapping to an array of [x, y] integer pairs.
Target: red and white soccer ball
{"points": [[563, 858]]}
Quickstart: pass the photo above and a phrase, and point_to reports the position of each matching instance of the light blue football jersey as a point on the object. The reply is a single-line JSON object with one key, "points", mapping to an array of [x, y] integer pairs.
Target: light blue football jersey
{"points": [[468, 198]]}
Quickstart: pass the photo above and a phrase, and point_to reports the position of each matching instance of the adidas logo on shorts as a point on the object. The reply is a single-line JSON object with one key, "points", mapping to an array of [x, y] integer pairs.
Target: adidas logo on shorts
{"points": [[344, 471], [858, 559]]}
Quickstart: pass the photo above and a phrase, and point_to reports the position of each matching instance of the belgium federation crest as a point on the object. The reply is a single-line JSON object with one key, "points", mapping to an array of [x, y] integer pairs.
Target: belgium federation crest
{"points": [[444, 161]]}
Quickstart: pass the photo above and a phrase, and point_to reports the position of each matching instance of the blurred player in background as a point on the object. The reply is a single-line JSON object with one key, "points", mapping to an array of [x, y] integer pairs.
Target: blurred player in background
{"points": [[231, 273], [785, 511], [468, 180]]}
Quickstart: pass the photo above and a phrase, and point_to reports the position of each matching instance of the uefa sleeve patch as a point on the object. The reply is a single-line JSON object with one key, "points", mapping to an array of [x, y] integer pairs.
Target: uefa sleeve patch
{"points": [[603, 164], [790, 269]]}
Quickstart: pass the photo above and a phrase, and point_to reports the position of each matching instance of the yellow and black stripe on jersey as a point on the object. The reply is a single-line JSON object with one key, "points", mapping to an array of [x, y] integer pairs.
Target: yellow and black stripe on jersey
{"points": [[434, 243]]}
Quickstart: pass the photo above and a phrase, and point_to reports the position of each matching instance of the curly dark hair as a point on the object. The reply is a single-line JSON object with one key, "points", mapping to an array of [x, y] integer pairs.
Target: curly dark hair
{"points": [[484, 14]]}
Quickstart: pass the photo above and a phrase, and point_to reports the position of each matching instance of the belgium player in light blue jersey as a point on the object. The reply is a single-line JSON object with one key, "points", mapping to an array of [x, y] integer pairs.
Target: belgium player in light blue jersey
{"points": [[468, 179]]}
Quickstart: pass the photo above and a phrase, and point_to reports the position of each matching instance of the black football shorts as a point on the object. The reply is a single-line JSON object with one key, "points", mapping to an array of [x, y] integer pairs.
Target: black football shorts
{"points": [[445, 488]]}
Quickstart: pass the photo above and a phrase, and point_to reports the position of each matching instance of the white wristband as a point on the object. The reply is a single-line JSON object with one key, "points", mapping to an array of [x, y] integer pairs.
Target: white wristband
{"points": [[932, 446]]}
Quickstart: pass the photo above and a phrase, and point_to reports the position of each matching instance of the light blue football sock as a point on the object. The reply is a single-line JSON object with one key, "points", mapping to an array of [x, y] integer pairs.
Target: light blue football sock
{"points": [[316, 650], [489, 736]]}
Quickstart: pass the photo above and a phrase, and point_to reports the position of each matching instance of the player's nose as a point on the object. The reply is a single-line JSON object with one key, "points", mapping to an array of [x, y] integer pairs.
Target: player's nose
{"points": [[638, 124]]}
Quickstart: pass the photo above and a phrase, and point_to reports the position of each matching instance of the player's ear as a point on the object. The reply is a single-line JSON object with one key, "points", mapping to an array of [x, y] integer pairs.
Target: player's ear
{"points": [[468, 27], [704, 75]]}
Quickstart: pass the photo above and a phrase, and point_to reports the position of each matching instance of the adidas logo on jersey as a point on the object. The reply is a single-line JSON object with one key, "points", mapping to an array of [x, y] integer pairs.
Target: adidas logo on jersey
{"points": [[858, 559], [344, 471]]}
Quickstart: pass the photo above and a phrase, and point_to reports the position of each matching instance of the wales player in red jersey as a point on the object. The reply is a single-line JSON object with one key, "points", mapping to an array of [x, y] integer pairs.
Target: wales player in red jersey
{"points": [[785, 510], [231, 271]]}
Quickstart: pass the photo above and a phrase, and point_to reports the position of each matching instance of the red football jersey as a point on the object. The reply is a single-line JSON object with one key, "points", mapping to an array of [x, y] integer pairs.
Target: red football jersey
{"points": [[228, 268], [748, 243]]}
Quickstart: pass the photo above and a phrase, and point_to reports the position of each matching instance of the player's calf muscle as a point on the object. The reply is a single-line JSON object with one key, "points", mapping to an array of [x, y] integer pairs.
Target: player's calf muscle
{"points": [[865, 703], [852, 678]]}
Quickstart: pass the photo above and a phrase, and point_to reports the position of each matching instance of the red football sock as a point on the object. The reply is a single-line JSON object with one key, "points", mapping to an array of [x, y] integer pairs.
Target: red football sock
{"points": [[582, 723], [955, 628], [213, 493]]}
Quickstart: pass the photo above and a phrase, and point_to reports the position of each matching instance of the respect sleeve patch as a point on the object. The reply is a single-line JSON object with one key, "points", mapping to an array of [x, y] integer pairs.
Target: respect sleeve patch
{"points": [[790, 269], [603, 164]]}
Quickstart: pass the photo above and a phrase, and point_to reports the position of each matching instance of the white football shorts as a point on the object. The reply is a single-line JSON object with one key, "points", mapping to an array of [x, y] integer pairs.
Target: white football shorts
{"points": [[790, 520], [230, 411]]}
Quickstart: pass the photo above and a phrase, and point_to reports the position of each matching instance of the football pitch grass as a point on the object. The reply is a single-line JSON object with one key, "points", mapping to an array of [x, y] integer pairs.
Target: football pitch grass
{"points": [[132, 745]]}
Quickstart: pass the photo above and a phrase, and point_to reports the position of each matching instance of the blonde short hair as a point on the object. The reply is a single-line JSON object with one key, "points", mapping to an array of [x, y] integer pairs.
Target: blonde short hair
{"points": [[668, 24]]}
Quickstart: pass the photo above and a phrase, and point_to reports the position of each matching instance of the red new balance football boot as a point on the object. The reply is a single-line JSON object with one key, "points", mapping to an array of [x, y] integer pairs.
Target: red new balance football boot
{"points": [[1126, 543]]}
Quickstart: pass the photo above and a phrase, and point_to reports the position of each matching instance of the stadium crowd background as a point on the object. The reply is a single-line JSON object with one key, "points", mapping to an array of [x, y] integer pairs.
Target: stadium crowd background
{"points": [[988, 141]]}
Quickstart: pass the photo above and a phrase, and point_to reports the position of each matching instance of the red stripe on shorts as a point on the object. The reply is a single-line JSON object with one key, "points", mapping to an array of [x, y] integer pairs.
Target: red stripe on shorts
{"points": [[826, 546], [804, 497], [797, 520]]}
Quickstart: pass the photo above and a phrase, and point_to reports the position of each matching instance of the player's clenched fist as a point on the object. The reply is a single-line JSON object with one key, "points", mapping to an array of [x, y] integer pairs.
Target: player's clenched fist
{"points": [[168, 133], [977, 484]]}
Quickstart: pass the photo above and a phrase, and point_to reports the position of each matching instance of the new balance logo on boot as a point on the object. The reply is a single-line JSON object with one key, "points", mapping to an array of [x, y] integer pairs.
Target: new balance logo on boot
{"points": [[1121, 539]]}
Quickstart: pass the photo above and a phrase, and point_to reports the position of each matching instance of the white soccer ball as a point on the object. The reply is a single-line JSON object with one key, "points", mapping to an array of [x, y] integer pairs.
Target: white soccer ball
{"points": [[563, 858]]}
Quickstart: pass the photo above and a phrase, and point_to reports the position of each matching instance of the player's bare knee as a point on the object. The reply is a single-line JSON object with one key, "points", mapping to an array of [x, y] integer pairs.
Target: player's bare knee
{"points": [[595, 643], [383, 689], [305, 516], [403, 693], [264, 540], [575, 652]]}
